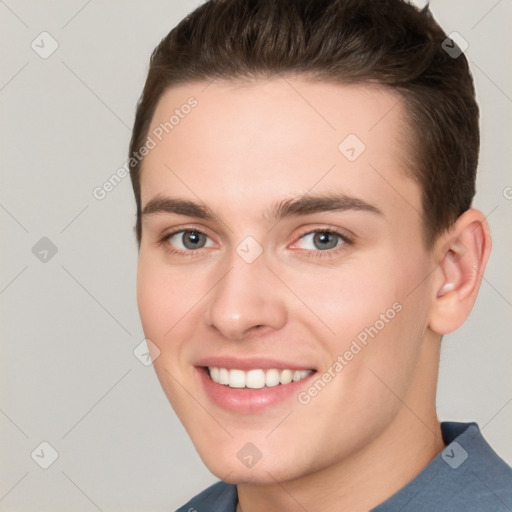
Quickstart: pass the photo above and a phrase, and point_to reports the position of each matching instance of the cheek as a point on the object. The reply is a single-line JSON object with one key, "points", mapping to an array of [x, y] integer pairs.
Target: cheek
{"points": [[387, 323], [162, 305], [365, 309], [343, 301], [163, 299], [151, 299]]}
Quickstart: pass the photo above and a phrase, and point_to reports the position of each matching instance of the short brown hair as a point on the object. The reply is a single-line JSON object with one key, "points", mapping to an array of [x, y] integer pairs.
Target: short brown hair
{"points": [[389, 42]]}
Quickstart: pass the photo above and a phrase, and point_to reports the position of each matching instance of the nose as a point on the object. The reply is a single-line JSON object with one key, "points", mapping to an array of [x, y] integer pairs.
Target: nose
{"points": [[247, 299]]}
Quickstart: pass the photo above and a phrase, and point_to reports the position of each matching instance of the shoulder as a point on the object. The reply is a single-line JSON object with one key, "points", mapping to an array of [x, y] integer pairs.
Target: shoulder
{"points": [[221, 495], [467, 475], [487, 477]]}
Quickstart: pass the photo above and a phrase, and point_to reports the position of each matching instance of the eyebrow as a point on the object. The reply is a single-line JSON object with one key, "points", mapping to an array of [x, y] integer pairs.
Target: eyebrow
{"points": [[292, 207]]}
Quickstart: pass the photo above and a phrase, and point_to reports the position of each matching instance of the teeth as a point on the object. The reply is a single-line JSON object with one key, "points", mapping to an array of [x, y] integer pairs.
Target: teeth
{"points": [[223, 376], [286, 377], [255, 379], [297, 375], [236, 379], [214, 373], [272, 378]]}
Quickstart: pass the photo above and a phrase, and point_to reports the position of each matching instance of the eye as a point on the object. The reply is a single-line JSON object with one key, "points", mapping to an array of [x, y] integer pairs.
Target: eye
{"points": [[317, 243], [185, 241], [325, 241]]}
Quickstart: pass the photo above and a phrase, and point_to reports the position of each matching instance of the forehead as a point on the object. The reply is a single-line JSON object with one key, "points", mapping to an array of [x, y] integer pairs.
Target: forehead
{"points": [[241, 145]]}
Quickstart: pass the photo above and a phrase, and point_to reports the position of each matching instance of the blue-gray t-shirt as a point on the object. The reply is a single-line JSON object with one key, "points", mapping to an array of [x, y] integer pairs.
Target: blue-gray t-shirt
{"points": [[466, 476]]}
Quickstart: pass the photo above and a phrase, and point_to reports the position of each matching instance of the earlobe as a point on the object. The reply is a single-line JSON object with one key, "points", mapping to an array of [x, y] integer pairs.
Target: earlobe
{"points": [[461, 258]]}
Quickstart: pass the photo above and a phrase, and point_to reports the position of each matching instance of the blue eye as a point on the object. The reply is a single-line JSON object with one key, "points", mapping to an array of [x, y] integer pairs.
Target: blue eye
{"points": [[319, 242], [190, 240], [324, 242]]}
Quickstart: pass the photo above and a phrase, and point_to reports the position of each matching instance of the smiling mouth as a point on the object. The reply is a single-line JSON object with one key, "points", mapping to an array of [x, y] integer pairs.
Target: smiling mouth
{"points": [[255, 378]]}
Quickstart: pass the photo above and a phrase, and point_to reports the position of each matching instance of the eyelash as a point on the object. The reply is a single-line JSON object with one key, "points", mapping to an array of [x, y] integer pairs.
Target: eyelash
{"points": [[317, 254]]}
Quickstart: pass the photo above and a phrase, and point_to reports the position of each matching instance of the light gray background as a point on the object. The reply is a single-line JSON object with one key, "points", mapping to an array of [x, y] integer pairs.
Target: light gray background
{"points": [[70, 325]]}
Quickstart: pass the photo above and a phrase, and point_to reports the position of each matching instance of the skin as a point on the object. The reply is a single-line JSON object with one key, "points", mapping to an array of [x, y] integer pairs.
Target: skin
{"points": [[246, 145]]}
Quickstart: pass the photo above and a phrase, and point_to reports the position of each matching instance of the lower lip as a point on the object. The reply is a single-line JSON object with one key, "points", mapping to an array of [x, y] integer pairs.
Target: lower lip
{"points": [[249, 400]]}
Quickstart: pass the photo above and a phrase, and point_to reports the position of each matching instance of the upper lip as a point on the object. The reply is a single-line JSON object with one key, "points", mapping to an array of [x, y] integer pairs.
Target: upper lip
{"points": [[253, 363]]}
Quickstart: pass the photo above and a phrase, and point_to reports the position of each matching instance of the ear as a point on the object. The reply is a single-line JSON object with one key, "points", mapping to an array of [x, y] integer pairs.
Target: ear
{"points": [[461, 256]]}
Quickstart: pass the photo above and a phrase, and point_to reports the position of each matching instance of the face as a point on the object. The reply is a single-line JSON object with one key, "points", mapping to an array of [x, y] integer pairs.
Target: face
{"points": [[309, 267]]}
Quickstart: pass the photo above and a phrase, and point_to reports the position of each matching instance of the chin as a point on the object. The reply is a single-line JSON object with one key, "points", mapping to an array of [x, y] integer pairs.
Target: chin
{"points": [[261, 475], [228, 465]]}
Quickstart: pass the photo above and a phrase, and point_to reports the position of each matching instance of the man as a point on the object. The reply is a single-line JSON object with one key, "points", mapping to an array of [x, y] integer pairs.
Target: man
{"points": [[306, 238]]}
